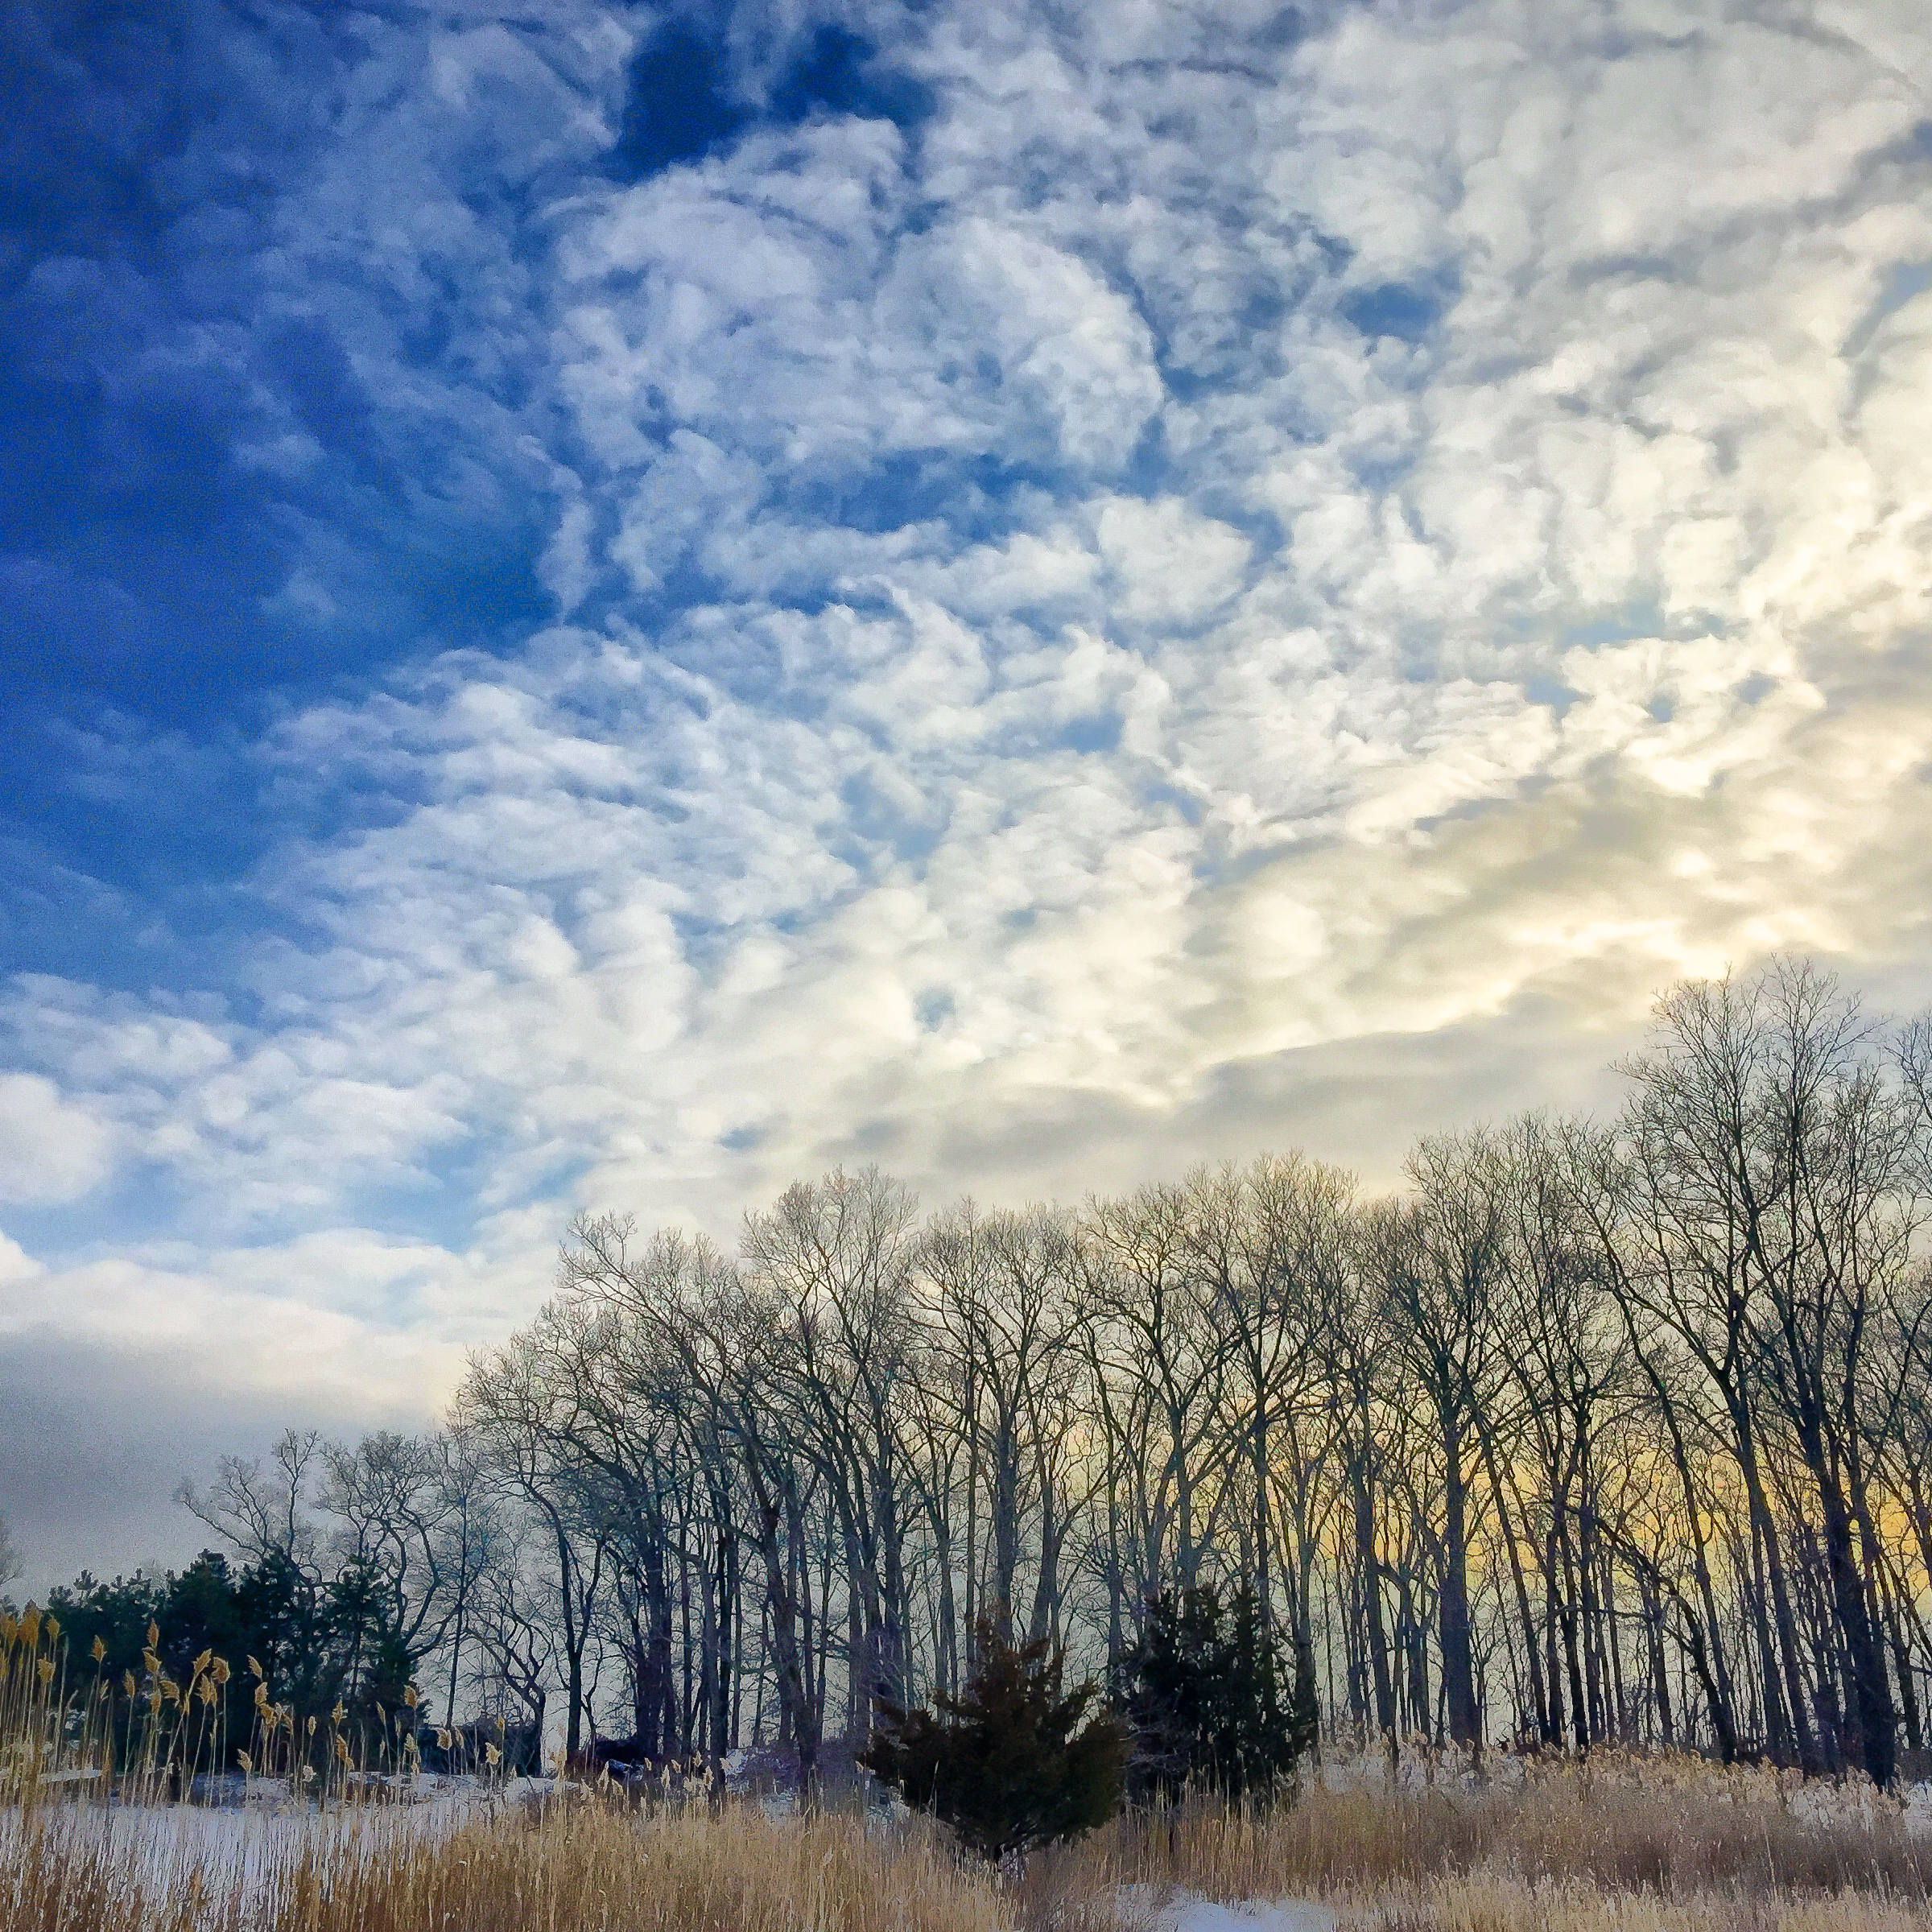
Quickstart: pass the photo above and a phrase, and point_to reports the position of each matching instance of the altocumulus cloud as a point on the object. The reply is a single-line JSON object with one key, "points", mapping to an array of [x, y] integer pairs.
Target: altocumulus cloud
{"points": [[1025, 597]]}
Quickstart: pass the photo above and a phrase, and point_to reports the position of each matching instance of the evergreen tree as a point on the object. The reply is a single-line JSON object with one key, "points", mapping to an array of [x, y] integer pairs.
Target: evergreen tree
{"points": [[319, 1642], [1007, 1763], [1209, 1696]]}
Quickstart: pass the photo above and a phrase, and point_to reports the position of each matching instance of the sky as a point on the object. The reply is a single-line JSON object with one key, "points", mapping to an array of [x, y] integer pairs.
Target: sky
{"points": [[603, 607]]}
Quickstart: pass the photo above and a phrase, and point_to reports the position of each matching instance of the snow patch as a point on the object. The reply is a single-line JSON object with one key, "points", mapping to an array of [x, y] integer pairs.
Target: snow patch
{"points": [[1165, 1911]]}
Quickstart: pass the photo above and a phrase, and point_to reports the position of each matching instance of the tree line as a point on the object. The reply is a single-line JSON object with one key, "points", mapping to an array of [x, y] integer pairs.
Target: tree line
{"points": [[1599, 1431]]}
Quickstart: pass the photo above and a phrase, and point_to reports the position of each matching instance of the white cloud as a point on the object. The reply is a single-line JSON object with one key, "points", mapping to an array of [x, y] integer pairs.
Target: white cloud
{"points": [[51, 1150], [1166, 564], [17, 1266], [368, 1324]]}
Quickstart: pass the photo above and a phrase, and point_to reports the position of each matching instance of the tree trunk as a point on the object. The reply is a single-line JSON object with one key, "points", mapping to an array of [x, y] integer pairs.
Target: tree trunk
{"points": [[1372, 1601], [1766, 1529], [1539, 1704], [782, 1605], [1458, 1662]]}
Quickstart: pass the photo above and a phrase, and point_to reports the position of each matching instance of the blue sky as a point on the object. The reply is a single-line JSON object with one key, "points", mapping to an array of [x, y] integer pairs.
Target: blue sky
{"points": [[602, 606]]}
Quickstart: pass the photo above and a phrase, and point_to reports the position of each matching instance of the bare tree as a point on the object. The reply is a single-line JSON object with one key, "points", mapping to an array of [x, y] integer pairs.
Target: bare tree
{"points": [[525, 1409], [1601, 1430], [263, 1512], [1442, 1261]]}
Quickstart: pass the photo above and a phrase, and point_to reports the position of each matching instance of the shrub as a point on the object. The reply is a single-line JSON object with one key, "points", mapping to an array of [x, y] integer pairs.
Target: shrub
{"points": [[1008, 1763], [1210, 1699]]}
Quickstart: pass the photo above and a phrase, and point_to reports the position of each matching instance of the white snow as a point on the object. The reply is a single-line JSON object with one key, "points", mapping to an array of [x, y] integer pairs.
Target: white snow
{"points": [[1284, 1915], [1168, 1911]]}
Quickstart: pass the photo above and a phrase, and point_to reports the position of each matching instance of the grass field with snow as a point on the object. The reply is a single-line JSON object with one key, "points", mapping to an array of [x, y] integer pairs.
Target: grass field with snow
{"points": [[1612, 1845]]}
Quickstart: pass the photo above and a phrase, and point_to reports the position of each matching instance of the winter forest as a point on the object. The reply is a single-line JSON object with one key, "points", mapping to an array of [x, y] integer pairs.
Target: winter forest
{"points": [[1610, 1431]]}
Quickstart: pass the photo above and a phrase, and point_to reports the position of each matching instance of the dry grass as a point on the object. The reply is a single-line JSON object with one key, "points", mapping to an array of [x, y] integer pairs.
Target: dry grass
{"points": [[1646, 1844], [1616, 1847], [579, 1867], [1624, 1825], [68, 1729], [1615, 1844], [1499, 1904]]}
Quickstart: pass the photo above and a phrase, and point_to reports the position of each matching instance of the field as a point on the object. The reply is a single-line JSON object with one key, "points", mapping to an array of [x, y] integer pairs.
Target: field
{"points": [[1625, 1845], [315, 1836]]}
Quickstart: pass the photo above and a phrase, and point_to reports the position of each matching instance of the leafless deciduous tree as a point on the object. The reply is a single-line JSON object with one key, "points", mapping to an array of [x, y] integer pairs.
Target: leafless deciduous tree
{"points": [[1598, 1431]]}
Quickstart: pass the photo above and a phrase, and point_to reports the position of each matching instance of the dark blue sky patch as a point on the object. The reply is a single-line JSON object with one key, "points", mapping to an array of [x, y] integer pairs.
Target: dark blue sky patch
{"points": [[876, 822], [1202, 354], [680, 105], [131, 1205], [839, 73], [133, 858], [1393, 308], [183, 429], [313, 374], [1100, 732], [1906, 281], [1640, 618], [970, 493], [1542, 689], [435, 1198], [1379, 474], [223, 500], [1185, 804], [1149, 470]]}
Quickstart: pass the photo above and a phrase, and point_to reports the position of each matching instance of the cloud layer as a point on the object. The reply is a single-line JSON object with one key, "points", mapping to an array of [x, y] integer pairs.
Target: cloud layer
{"points": [[1096, 592]]}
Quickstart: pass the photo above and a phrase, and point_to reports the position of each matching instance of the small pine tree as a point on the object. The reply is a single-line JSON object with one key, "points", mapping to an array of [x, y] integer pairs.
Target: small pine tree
{"points": [[1208, 1692], [1007, 1763]]}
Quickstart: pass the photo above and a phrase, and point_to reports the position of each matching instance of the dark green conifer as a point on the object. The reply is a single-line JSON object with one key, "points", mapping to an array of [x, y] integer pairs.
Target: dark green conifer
{"points": [[1008, 1763], [1208, 1693]]}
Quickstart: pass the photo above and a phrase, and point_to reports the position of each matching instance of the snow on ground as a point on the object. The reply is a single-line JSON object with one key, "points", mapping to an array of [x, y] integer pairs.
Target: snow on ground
{"points": [[1183, 1912], [1285, 1915], [237, 1845]]}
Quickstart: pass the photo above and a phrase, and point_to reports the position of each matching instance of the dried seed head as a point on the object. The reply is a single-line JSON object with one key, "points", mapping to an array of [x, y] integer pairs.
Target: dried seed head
{"points": [[246, 1762], [409, 1696], [53, 1629], [255, 1669], [30, 1627], [201, 1662], [222, 1672], [311, 1727], [127, 1682], [9, 1629], [100, 1649], [154, 1636], [45, 1669], [492, 1755]]}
